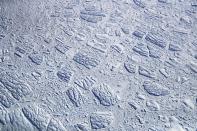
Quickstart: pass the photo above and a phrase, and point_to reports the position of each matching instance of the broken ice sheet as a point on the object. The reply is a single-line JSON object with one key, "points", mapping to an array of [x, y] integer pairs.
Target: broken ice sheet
{"points": [[65, 50]]}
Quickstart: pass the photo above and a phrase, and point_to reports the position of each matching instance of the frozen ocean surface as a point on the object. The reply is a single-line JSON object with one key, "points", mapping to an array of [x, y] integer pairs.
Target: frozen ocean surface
{"points": [[98, 65]]}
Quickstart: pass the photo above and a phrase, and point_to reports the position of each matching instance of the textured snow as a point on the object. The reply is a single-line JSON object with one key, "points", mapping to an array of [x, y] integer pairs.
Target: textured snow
{"points": [[106, 65]]}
